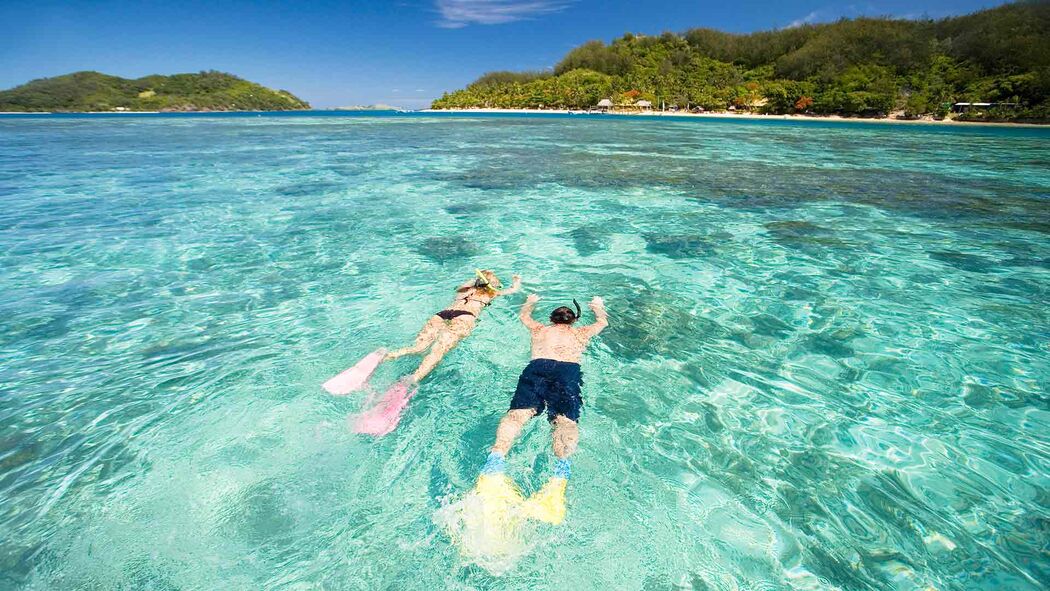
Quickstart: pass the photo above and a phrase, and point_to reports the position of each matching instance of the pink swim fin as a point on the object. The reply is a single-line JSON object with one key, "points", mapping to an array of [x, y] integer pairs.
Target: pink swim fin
{"points": [[357, 376], [386, 414]]}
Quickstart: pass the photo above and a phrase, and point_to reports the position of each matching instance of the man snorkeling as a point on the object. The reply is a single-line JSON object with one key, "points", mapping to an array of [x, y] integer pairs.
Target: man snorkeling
{"points": [[551, 382]]}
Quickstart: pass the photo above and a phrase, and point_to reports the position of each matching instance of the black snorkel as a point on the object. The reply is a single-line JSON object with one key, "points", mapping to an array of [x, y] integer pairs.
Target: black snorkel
{"points": [[565, 315]]}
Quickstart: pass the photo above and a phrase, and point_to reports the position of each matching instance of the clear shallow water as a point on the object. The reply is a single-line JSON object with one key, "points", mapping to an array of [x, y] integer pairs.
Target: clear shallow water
{"points": [[826, 369]]}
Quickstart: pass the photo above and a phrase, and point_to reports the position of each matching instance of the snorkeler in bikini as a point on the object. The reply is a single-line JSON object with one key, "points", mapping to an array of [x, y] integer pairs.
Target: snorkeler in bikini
{"points": [[551, 381], [447, 328], [440, 334]]}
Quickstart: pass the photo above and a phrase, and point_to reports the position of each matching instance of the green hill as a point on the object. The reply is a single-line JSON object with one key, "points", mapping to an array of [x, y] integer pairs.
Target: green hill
{"points": [[92, 91], [865, 66]]}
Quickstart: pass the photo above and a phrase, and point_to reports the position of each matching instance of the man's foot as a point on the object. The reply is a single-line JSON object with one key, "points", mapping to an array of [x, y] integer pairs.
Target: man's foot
{"points": [[494, 464], [563, 468]]}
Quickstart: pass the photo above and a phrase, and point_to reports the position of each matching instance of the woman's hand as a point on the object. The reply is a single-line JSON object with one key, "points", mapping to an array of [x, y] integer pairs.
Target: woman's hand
{"points": [[514, 288]]}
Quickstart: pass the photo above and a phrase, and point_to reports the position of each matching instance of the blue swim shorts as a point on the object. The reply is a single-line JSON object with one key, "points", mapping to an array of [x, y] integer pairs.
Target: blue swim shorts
{"points": [[550, 384]]}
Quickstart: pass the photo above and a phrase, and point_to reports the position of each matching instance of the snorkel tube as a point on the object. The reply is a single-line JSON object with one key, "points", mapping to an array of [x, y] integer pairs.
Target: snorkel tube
{"points": [[579, 311], [482, 282]]}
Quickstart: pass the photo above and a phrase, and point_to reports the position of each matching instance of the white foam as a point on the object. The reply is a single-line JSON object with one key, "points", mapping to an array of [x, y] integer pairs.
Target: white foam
{"points": [[494, 548]]}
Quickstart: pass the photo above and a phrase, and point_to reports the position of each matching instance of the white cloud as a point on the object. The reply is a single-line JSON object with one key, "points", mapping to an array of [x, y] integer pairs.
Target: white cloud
{"points": [[804, 20], [460, 13], [833, 13]]}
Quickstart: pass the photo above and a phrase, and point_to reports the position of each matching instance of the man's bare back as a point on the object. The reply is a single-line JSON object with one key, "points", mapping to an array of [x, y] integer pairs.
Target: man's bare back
{"points": [[562, 342]]}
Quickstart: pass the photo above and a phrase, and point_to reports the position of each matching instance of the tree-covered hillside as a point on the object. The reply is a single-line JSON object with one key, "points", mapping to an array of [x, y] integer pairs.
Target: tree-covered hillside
{"points": [[864, 67], [92, 91]]}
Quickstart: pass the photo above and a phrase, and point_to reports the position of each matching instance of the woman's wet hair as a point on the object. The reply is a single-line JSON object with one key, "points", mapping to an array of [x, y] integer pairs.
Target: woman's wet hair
{"points": [[563, 315], [490, 285]]}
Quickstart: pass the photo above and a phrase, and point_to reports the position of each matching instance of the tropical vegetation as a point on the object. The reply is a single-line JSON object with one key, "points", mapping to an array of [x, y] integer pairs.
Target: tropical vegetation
{"points": [[92, 91], [858, 67]]}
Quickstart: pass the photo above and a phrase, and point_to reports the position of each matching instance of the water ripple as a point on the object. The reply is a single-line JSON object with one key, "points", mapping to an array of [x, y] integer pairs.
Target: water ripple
{"points": [[826, 366]]}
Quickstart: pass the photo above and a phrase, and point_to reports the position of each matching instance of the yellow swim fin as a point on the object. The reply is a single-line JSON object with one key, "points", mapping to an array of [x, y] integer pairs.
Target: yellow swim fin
{"points": [[548, 503], [500, 498]]}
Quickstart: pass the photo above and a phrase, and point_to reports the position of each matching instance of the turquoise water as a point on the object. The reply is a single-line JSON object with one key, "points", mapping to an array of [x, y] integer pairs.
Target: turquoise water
{"points": [[826, 368]]}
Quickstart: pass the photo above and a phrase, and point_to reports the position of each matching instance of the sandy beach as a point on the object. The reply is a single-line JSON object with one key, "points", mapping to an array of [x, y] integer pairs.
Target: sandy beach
{"points": [[732, 115], [708, 115]]}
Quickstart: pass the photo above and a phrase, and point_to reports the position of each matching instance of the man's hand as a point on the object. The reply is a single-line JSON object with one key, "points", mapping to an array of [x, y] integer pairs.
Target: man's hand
{"points": [[601, 317], [526, 312]]}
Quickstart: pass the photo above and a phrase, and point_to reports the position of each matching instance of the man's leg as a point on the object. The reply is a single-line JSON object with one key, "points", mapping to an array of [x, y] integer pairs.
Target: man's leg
{"points": [[566, 435], [510, 427], [548, 504]]}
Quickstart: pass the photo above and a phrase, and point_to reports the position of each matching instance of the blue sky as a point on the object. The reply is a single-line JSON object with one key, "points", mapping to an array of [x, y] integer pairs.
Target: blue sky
{"points": [[403, 52]]}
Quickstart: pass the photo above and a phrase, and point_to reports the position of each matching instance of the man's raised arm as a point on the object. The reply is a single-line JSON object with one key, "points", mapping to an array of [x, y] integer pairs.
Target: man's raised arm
{"points": [[601, 318], [526, 312]]}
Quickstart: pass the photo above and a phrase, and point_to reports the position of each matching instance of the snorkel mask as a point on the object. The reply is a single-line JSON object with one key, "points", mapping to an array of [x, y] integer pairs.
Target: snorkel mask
{"points": [[482, 281], [565, 315]]}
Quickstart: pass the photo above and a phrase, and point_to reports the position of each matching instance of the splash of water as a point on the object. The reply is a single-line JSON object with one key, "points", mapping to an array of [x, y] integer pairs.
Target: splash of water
{"points": [[492, 535]]}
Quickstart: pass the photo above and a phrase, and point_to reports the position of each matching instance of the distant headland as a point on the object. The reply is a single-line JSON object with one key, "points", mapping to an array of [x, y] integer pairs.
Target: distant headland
{"points": [[96, 92], [993, 65]]}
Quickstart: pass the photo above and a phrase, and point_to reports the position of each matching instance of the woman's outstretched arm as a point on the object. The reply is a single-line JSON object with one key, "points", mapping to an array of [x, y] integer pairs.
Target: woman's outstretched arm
{"points": [[514, 288]]}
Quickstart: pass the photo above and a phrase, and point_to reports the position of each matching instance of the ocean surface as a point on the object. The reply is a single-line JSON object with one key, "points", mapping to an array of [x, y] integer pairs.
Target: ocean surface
{"points": [[827, 364]]}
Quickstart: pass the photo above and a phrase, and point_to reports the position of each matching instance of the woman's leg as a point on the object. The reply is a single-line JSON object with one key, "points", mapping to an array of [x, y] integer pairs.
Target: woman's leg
{"points": [[446, 339], [426, 336]]}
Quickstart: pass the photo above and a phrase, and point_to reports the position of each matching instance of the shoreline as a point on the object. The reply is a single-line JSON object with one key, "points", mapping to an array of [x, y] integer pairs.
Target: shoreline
{"points": [[723, 115], [746, 116], [207, 112]]}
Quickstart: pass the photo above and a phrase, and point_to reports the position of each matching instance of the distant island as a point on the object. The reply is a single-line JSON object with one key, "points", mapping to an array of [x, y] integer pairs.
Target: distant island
{"points": [[92, 92], [993, 65], [377, 107]]}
